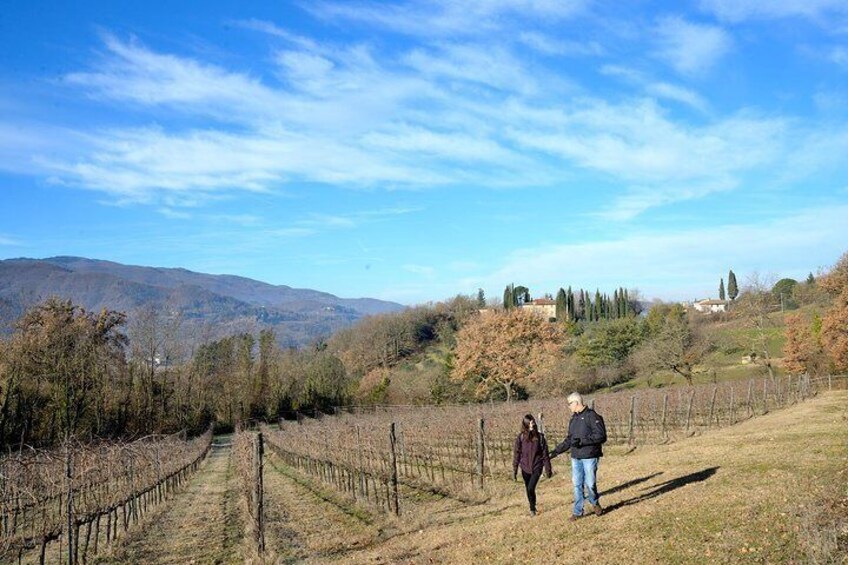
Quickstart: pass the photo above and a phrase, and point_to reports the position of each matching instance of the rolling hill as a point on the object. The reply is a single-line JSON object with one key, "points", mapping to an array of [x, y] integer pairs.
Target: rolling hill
{"points": [[209, 306]]}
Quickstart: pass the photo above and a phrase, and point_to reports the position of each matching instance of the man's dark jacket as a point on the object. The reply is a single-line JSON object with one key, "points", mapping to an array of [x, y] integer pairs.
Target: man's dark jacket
{"points": [[586, 434]]}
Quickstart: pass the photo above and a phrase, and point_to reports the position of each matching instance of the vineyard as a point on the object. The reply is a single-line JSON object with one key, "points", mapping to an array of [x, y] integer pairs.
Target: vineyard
{"points": [[384, 458], [381, 469], [66, 505]]}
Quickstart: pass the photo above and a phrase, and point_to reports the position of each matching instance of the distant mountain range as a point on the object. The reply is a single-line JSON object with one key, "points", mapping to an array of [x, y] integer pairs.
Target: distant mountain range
{"points": [[209, 306]]}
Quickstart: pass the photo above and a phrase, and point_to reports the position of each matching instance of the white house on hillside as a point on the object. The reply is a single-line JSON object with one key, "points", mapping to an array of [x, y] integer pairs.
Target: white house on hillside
{"points": [[709, 306]]}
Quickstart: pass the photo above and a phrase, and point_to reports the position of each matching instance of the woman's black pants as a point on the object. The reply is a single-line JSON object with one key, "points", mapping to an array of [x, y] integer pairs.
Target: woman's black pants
{"points": [[530, 482]]}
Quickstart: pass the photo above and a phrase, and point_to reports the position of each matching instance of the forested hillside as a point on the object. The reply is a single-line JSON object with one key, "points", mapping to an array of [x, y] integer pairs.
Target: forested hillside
{"points": [[202, 306], [66, 369]]}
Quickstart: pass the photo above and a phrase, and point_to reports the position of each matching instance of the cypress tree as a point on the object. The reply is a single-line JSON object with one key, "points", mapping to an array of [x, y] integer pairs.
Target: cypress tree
{"points": [[581, 306], [508, 297], [561, 305], [732, 288], [598, 305], [569, 302], [721, 295]]}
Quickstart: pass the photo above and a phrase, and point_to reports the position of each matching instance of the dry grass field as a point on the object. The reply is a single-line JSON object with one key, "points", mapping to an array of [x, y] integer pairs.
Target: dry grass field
{"points": [[773, 489]]}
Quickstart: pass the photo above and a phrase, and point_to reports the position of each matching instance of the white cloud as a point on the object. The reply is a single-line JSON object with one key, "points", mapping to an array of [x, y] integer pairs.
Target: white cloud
{"points": [[491, 66], [345, 116], [136, 74], [657, 89], [446, 18], [8, 241], [554, 46], [678, 94], [690, 48], [741, 10], [172, 214], [638, 142], [270, 28], [839, 56], [424, 271], [290, 232], [683, 264]]}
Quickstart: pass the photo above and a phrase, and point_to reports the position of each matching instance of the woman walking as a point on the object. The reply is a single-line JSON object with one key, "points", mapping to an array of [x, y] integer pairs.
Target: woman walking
{"points": [[530, 452]]}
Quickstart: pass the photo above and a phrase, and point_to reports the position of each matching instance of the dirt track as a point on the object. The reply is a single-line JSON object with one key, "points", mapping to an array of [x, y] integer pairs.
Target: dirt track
{"points": [[201, 525]]}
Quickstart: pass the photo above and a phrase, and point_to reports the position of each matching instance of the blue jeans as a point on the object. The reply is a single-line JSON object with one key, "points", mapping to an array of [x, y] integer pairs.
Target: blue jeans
{"points": [[584, 472]]}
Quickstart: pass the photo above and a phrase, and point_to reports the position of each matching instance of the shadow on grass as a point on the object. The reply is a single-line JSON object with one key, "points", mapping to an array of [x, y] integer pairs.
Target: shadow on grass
{"points": [[629, 484], [663, 488]]}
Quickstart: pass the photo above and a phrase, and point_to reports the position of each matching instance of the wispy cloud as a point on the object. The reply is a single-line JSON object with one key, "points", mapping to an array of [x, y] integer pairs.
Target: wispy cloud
{"points": [[271, 28], [678, 94], [659, 89], [550, 46], [688, 47], [741, 10], [422, 270], [444, 18], [445, 113], [684, 264], [839, 56], [8, 241], [662, 161]]}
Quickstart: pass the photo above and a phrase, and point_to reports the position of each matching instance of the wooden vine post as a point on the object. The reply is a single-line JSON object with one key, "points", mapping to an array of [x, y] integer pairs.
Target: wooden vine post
{"points": [[69, 499], [259, 492], [393, 470], [689, 410], [712, 408], [481, 454]]}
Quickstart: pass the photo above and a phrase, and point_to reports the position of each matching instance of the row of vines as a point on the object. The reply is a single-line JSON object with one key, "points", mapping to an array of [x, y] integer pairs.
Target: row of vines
{"points": [[374, 455], [80, 497]]}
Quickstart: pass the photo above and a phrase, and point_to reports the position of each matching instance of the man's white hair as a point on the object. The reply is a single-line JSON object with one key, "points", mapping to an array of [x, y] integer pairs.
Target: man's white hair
{"points": [[575, 397]]}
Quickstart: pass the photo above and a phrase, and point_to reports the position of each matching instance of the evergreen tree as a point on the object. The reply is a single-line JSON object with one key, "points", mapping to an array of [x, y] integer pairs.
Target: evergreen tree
{"points": [[569, 300], [581, 306], [520, 295], [561, 305], [481, 298], [721, 295], [811, 280], [598, 305], [732, 288], [509, 297]]}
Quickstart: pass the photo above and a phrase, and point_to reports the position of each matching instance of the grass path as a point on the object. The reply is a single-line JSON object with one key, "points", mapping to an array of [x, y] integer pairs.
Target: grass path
{"points": [[751, 493], [305, 520], [199, 526]]}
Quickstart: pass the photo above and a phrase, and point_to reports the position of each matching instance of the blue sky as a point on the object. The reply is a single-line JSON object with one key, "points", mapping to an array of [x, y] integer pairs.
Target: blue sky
{"points": [[412, 151]]}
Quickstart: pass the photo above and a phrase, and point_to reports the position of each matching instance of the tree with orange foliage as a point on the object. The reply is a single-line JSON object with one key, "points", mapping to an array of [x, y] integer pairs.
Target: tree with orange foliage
{"points": [[834, 330], [801, 350], [506, 349]]}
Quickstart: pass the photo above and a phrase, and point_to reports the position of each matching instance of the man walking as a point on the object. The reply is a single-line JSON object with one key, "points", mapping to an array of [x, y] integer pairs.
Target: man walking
{"points": [[586, 434]]}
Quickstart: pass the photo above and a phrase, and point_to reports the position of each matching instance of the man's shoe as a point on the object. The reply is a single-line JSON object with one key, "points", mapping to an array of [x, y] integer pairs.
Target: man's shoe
{"points": [[574, 518], [598, 510], [532, 512]]}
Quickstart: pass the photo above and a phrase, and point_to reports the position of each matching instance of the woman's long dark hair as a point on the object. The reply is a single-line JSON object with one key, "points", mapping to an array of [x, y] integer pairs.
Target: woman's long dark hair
{"points": [[529, 428]]}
